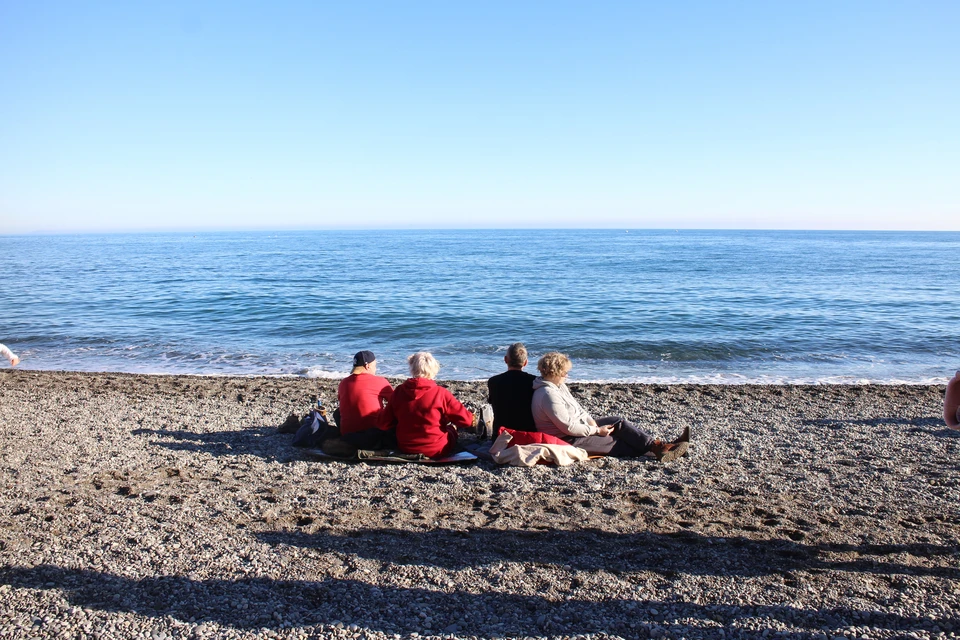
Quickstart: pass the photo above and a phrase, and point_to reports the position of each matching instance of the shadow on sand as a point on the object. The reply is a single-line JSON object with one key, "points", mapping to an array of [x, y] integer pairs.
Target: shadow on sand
{"points": [[594, 550], [256, 603], [263, 442]]}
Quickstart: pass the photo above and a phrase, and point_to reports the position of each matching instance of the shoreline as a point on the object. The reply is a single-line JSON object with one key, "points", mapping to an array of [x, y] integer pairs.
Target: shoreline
{"points": [[167, 505], [669, 381]]}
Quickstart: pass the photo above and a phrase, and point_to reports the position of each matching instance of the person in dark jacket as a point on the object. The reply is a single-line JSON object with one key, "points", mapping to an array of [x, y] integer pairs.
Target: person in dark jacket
{"points": [[426, 415], [511, 393]]}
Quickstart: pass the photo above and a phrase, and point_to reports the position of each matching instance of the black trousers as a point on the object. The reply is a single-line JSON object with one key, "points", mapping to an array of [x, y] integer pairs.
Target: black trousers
{"points": [[371, 439], [626, 441]]}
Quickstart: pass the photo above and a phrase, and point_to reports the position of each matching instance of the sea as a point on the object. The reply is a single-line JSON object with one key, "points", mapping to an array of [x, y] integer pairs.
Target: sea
{"points": [[654, 306]]}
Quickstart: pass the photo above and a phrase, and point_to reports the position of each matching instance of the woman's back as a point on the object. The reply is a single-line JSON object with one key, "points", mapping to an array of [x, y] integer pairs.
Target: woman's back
{"points": [[423, 409]]}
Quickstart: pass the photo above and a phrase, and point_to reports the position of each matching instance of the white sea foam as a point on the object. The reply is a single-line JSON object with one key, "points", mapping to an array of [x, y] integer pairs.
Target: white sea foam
{"points": [[318, 372], [733, 379]]}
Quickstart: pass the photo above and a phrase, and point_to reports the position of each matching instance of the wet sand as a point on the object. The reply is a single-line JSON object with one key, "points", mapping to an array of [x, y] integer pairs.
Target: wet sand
{"points": [[168, 507]]}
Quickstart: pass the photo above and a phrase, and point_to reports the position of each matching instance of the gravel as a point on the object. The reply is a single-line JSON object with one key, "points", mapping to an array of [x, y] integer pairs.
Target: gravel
{"points": [[164, 507]]}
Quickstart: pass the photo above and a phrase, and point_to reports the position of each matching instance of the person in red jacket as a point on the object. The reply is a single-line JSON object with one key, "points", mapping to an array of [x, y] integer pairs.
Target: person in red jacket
{"points": [[427, 415], [362, 396]]}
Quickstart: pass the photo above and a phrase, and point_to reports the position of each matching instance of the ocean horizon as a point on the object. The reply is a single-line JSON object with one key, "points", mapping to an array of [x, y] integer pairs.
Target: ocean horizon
{"points": [[658, 306]]}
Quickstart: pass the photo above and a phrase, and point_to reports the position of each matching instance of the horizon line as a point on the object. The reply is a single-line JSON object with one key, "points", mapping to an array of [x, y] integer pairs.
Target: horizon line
{"points": [[215, 230]]}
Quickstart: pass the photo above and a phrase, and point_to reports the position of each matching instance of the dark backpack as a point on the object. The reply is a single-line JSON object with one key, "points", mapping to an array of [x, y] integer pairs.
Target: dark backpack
{"points": [[314, 429]]}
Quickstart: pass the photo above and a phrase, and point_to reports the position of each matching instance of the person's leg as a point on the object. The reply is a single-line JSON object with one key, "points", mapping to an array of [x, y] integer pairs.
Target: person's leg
{"points": [[372, 439], [453, 442], [951, 403], [388, 439], [631, 441], [594, 445]]}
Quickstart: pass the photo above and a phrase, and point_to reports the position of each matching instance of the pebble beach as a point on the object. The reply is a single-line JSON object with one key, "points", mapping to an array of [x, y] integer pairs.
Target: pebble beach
{"points": [[158, 507]]}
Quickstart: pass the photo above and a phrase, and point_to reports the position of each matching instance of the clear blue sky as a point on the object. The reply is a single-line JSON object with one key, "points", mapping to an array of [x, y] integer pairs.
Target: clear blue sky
{"points": [[220, 115]]}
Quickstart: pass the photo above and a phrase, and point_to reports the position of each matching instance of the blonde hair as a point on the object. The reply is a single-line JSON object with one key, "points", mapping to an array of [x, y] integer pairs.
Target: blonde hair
{"points": [[423, 365], [554, 364], [516, 355]]}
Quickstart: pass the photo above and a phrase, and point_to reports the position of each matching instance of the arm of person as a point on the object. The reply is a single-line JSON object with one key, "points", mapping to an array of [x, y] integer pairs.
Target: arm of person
{"points": [[601, 431], [604, 431], [9, 355], [951, 403], [387, 419], [566, 418], [385, 395], [455, 413]]}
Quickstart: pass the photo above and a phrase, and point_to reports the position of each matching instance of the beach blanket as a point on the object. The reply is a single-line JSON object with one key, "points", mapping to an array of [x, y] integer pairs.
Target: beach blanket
{"points": [[528, 437], [522, 449], [395, 457]]}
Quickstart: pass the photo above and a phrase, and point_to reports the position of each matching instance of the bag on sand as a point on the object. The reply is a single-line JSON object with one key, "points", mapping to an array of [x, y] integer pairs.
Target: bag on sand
{"points": [[313, 431]]}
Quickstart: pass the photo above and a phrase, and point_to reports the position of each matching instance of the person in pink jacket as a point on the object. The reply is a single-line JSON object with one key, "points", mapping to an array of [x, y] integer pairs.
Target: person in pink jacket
{"points": [[426, 415]]}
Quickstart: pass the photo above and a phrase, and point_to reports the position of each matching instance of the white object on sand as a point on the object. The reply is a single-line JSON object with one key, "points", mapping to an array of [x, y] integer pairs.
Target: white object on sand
{"points": [[9, 355]]}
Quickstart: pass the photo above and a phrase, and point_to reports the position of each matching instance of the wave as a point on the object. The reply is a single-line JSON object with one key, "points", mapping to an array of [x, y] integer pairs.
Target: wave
{"points": [[317, 372], [717, 307]]}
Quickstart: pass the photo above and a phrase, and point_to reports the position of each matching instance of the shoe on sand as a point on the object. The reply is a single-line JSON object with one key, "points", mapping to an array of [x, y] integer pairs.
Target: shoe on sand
{"points": [[668, 451]]}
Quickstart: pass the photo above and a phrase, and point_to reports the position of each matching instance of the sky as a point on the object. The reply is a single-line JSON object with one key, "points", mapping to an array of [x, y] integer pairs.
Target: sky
{"points": [[129, 116]]}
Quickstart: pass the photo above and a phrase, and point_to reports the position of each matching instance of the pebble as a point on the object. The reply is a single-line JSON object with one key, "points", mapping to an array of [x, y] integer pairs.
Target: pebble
{"points": [[148, 507]]}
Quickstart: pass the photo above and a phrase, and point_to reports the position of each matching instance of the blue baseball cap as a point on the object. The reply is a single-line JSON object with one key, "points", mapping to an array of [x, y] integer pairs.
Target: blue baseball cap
{"points": [[363, 358]]}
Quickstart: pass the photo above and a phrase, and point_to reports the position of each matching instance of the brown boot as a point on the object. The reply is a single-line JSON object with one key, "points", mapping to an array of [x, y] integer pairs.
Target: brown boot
{"points": [[669, 451]]}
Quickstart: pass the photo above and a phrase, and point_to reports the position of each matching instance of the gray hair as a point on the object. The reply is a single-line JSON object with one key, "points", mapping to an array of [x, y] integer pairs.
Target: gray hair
{"points": [[516, 355], [423, 365]]}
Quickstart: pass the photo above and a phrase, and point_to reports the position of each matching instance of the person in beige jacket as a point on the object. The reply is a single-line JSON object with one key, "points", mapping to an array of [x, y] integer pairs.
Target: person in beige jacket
{"points": [[557, 412]]}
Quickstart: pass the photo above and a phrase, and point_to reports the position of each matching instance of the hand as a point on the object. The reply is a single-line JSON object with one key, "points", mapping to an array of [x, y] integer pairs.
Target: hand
{"points": [[604, 431], [15, 360]]}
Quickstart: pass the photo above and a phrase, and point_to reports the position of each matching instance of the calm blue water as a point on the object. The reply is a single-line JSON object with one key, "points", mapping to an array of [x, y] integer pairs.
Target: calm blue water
{"points": [[714, 306]]}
